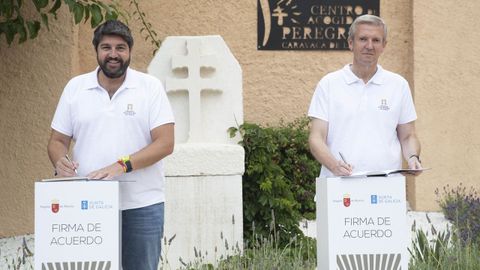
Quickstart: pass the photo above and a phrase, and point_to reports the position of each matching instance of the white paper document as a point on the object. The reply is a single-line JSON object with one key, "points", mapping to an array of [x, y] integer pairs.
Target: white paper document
{"points": [[385, 173], [73, 178]]}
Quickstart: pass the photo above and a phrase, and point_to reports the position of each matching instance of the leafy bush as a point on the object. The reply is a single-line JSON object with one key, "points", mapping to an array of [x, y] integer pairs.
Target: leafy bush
{"points": [[15, 18], [462, 207], [279, 179]]}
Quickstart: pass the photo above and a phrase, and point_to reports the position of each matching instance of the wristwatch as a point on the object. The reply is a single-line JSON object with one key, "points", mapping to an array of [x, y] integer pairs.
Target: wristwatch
{"points": [[128, 164]]}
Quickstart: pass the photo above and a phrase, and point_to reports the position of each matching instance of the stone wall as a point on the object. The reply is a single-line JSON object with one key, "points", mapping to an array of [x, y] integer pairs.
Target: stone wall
{"points": [[32, 77]]}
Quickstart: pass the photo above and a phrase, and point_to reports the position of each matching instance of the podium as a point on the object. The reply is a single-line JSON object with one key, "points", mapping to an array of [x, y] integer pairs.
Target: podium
{"points": [[361, 223], [77, 225]]}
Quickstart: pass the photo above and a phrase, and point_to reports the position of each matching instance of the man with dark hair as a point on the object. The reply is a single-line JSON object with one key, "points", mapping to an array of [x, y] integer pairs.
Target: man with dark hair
{"points": [[112, 27], [123, 126], [363, 112]]}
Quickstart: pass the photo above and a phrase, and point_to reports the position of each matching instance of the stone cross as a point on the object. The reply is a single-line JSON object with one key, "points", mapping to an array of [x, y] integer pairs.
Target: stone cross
{"points": [[203, 81], [195, 83]]}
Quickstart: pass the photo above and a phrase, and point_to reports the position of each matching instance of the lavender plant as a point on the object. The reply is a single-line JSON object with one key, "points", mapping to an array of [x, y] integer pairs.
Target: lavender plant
{"points": [[461, 206]]}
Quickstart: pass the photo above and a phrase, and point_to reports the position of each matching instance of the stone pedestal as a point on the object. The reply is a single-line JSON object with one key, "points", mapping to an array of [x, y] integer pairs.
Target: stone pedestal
{"points": [[204, 210], [203, 207]]}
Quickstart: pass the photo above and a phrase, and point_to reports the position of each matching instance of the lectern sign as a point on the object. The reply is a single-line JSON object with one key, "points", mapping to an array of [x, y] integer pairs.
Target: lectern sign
{"points": [[77, 225], [309, 24], [361, 223]]}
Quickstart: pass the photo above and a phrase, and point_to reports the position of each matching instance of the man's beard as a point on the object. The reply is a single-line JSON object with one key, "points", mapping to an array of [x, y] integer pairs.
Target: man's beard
{"points": [[116, 73]]}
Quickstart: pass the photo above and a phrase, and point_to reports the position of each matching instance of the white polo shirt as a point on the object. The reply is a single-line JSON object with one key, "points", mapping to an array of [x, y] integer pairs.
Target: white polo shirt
{"points": [[363, 118], [106, 129]]}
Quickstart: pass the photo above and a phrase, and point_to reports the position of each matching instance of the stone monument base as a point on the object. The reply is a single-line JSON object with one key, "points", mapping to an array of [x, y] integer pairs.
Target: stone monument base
{"points": [[203, 211]]}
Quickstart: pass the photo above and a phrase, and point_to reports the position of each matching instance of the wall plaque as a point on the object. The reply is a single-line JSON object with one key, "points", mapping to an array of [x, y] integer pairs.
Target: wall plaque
{"points": [[309, 24]]}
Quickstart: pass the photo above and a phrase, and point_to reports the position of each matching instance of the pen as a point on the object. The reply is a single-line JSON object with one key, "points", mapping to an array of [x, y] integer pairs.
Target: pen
{"points": [[75, 169], [343, 158]]}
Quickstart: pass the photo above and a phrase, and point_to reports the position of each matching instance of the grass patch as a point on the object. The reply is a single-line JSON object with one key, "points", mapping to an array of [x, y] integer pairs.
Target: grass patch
{"points": [[444, 251], [264, 253]]}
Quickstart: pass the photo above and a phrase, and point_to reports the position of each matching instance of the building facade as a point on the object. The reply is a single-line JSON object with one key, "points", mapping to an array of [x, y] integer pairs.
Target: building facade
{"points": [[429, 44]]}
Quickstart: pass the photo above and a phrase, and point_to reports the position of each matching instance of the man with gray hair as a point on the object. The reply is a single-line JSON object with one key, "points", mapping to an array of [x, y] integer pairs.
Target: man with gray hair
{"points": [[122, 125], [362, 116]]}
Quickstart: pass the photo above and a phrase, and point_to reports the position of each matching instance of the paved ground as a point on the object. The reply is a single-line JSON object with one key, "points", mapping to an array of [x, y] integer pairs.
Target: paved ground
{"points": [[11, 248]]}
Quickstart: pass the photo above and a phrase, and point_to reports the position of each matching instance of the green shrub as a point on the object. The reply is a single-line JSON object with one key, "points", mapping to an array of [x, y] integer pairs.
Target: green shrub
{"points": [[279, 178]]}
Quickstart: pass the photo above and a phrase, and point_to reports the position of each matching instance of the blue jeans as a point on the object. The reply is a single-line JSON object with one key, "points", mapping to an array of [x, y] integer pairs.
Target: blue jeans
{"points": [[142, 232]]}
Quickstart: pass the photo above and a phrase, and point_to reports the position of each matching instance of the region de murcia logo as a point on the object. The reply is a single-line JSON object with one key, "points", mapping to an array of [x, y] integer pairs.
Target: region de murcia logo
{"points": [[129, 111], [346, 200], [55, 206], [383, 105]]}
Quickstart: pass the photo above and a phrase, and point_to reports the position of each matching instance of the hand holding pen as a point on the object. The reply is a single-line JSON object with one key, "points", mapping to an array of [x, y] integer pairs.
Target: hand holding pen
{"points": [[66, 167], [73, 164], [343, 168]]}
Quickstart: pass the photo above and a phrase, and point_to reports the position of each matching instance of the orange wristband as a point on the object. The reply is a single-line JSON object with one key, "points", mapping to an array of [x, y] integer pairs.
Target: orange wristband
{"points": [[123, 165]]}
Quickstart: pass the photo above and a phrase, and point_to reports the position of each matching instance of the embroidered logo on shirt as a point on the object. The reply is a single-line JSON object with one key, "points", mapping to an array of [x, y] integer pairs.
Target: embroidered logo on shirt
{"points": [[129, 111], [383, 106]]}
